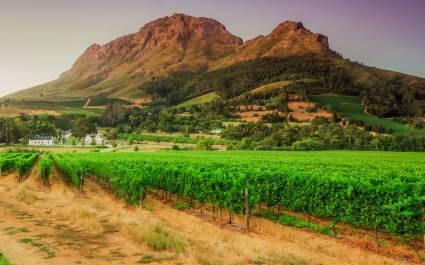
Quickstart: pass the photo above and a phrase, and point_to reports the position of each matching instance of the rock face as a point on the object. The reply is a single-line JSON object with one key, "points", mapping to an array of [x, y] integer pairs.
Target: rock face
{"points": [[169, 44], [288, 38], [186, 43]]}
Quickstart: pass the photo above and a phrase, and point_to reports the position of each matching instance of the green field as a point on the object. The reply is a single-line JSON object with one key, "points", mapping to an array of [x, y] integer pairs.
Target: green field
{"points": [[351, 107], [207, 98], [80, 111], [381, 190], [107, 101]]}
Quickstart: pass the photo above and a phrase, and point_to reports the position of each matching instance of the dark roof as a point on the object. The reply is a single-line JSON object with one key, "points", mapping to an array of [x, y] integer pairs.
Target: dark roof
{"points": [[41, 137]]}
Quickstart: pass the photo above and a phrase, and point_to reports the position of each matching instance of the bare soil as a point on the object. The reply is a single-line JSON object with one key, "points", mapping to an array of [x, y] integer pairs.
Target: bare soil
{"points": [[299, 111], [57, 225], [253, 113]]}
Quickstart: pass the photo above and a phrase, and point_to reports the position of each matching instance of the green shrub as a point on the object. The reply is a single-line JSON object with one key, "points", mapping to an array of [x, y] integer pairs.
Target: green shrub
{"points": [[180, 205], [175, 148], [131, 140], [307, 144], [204, 145], [159, 239], [299, 223]]}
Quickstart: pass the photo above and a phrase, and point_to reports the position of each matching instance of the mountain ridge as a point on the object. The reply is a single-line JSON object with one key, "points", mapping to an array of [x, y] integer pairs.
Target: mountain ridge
{"points": [[177, 43], [205, 56]]}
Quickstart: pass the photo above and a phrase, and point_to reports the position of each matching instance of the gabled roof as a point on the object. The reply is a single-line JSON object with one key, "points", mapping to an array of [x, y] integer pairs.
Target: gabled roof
{"points": [[41, 138], [92, 135]]}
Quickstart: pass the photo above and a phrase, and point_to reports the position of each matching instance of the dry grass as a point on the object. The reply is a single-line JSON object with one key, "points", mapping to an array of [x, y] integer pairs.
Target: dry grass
{"points": [[26, 195], [82, 218], [14, 111], [159, 238]]}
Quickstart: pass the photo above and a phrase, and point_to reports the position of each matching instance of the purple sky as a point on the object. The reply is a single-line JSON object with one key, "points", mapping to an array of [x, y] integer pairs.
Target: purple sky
{"points": [[40, 39]]}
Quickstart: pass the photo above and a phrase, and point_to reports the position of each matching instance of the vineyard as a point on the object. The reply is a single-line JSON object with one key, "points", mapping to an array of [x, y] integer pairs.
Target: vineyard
{"points": [[21, 162], [383, 191]]}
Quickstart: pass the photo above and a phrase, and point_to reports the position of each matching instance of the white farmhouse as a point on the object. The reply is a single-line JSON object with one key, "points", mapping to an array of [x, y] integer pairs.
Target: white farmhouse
{"points": [[97, 139], [66, 134], [41, 140], [216, 131]]}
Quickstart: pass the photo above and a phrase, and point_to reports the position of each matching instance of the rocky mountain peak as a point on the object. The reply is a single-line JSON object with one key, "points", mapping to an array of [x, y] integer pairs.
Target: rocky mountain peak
{"points": [[297, 31], [185, 42]]}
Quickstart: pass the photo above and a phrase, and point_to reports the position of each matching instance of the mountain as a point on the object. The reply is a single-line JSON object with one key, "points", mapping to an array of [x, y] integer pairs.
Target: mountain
{"points": [[289, 38], [178, 43], [180, 56]]}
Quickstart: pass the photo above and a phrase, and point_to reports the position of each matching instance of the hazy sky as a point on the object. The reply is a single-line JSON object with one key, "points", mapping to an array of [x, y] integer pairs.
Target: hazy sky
{"points": [[42, 38]]}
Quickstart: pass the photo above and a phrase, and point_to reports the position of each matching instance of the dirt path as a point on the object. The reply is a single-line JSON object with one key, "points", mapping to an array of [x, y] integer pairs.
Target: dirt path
{"points": [[87, 103], [56, 225]]}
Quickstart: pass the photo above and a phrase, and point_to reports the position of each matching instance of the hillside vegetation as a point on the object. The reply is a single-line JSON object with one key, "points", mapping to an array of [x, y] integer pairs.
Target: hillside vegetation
{"points": [[351, 108]]}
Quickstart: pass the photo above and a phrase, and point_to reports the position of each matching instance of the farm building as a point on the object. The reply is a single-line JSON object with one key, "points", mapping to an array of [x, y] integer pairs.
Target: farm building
{"points": [[97, 139], [66, 134], [41, 140]]}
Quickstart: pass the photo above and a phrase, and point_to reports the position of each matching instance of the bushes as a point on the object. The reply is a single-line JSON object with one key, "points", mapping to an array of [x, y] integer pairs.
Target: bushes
{"points": [[204, 145], [307, 144]]}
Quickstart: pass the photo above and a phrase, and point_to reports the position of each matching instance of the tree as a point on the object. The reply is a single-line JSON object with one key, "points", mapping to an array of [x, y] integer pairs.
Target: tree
{"points": [[131, 140], [83, 126]]}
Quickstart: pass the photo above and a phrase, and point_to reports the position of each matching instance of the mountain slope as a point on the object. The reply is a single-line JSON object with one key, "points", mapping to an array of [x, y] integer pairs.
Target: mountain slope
{"points": [[179, 57], [178, 43]]}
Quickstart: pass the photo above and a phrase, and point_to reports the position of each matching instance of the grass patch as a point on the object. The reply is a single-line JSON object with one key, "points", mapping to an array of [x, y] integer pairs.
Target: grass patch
{"points": [[207, 98], [14, 230], [159, 239], [271, 87], [106, 101], [147, 259], [180, 205], [79, 111], [26, 196], [296, 222], [351, 107], [41, 246]]}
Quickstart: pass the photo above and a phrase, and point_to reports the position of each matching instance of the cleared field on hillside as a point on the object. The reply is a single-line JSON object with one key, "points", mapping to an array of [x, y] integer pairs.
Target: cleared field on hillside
{"points": [[351, 107], [80, 111], [207, 98]]}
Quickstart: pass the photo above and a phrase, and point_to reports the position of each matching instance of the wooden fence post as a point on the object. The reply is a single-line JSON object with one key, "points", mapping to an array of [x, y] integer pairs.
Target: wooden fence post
{"points": [[81, 183], [141, 198], [246, 210]]}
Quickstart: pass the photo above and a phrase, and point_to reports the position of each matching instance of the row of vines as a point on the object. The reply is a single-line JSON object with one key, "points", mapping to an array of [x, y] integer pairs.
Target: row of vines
{"points": [[369, 190], [21, 162]]}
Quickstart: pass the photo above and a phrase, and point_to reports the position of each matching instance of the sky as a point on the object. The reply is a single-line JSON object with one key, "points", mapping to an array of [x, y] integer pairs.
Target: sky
{"points": [[41, 39]]}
